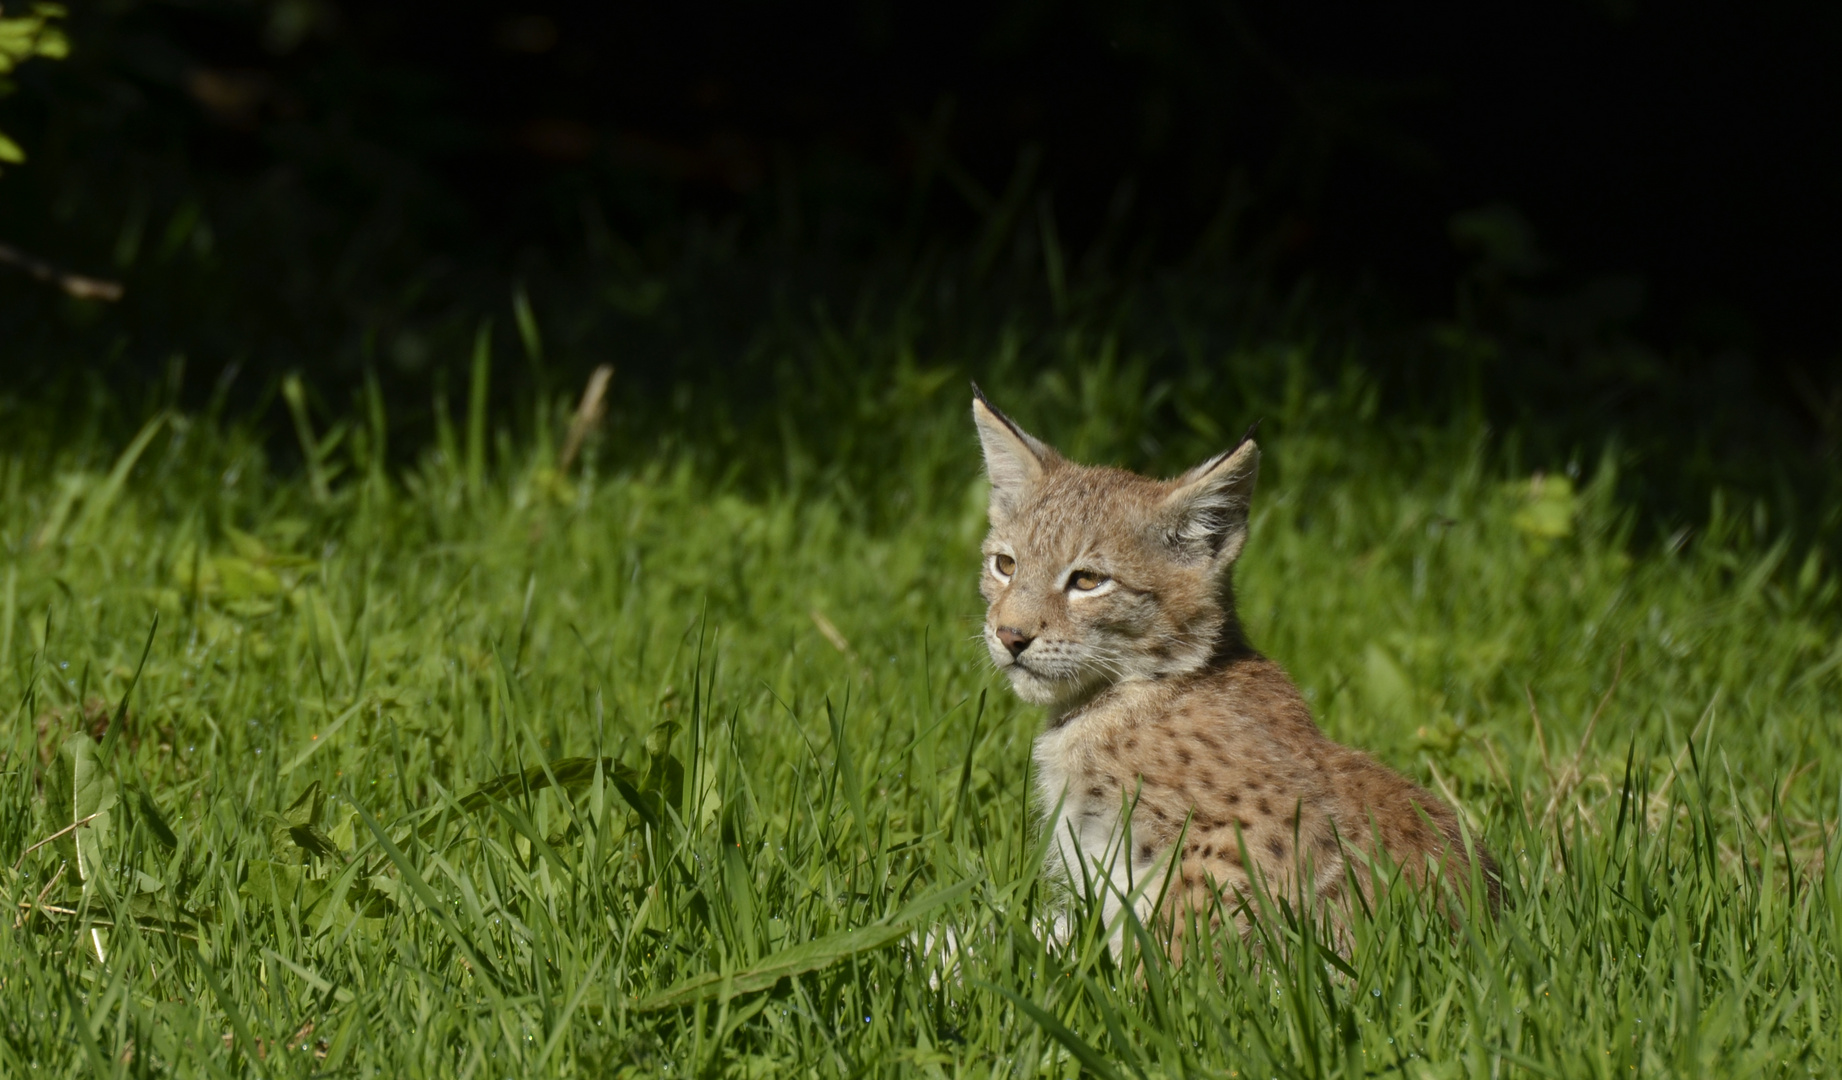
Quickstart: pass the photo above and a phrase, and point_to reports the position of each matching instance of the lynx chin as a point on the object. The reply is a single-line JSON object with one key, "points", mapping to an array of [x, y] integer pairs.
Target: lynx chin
{"points": [[1180, 770]]}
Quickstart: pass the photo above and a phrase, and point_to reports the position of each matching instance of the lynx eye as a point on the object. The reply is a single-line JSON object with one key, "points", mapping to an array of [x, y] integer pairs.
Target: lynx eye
{"points": [[1003, 565], [1087, 580]]}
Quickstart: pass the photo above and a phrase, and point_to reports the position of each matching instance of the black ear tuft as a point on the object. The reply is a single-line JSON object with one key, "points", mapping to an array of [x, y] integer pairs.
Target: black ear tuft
{"points": [[1014, 459]]}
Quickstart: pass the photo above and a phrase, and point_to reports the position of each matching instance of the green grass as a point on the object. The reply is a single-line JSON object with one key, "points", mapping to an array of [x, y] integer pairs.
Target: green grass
{"points": [[813, 772]]}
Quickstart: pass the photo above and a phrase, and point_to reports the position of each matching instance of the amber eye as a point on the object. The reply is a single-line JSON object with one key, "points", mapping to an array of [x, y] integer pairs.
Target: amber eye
{"points": [[1086, 580], [1004, 565]]}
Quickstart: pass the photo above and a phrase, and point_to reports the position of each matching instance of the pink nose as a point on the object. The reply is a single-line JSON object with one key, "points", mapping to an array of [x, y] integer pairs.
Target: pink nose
{"points": [[1014, 640]]}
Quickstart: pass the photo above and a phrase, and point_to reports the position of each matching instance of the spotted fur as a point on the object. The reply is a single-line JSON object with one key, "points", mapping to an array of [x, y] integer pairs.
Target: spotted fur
{"points": [[1176, 760]]}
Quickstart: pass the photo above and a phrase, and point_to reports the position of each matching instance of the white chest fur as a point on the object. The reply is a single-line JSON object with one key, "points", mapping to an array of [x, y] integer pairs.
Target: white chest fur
{"points": [[1092, 847]]}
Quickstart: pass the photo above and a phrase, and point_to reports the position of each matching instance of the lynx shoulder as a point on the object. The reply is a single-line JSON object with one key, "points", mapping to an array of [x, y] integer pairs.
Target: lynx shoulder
{"points": [[1176, 760]]}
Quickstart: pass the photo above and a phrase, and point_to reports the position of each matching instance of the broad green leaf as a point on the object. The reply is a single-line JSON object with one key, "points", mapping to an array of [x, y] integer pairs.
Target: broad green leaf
{"points": [[245, 545], [344, 835], [369, 901], [1548, 507], [664, 772], [314, 840], [299, 829], [241, 579], [9, 150], [305, 810], [271, 881], [53, 45], [84, 792], [394, 892], [658, 742], [645, 803]]}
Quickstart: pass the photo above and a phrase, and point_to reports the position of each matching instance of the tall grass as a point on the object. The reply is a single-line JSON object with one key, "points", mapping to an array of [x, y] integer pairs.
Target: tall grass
{"points": [[686, 763]]}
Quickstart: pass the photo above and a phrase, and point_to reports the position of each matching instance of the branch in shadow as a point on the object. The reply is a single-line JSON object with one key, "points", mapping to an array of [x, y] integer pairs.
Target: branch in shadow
{"points": [[83, 288]]}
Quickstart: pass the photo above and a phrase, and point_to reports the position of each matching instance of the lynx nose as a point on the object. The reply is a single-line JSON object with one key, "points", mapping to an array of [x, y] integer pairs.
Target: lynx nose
{"points": [[1014, 640]]}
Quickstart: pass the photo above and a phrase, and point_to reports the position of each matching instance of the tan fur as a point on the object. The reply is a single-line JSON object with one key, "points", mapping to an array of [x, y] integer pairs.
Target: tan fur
{"points": [[1176, 760]]}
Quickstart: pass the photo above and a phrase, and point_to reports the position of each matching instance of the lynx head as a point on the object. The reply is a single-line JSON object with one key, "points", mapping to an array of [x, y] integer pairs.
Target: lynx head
{"points": [[1098, 576]]}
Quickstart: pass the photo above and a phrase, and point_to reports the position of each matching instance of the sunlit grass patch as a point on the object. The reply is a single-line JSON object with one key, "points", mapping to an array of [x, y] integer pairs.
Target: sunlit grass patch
{"points": [[486, 767]]}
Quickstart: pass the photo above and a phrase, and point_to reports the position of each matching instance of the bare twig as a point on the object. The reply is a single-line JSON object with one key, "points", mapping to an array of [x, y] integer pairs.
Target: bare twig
{"points": [[830, 631], [27, 907], [588, 415], [77, 285], [72, 827], [37, 904]]}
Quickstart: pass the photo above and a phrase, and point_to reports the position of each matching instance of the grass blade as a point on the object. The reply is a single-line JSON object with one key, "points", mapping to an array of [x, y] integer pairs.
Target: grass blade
{"points": [[800, 959], [1089, 1057], [488, 973]]}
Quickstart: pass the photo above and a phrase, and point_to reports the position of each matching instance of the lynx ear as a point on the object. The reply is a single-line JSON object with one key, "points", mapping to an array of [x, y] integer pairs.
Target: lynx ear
{"points": [[1014, 459], [1206, 512]]}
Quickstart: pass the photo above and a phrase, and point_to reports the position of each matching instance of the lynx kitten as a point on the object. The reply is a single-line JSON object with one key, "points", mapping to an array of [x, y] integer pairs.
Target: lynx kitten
{"points": [[1177, 761]]}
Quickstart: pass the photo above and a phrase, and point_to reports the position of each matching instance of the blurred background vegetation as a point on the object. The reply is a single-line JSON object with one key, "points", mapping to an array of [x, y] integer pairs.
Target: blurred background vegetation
{"points": [[1602, 224]]}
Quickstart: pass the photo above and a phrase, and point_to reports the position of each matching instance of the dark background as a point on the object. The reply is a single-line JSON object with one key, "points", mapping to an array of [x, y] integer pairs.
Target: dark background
{"points": [[1597, 216]]}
